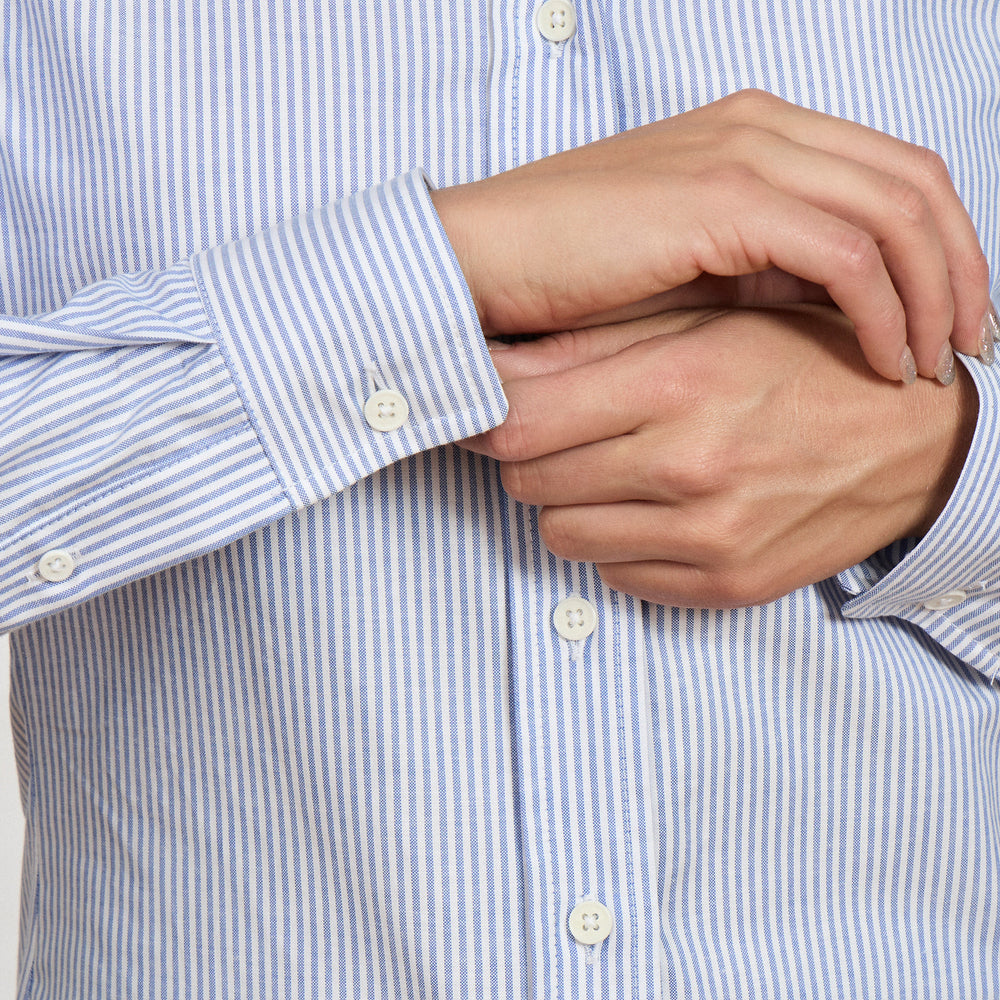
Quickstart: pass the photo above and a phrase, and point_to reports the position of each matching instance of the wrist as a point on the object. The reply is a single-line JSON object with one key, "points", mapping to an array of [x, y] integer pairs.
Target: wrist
{"points": [[454, 209], [949, 417]]}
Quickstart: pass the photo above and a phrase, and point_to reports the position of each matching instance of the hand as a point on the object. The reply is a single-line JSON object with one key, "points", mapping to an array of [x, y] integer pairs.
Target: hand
{"points": [[749, 185], [723, 459]]}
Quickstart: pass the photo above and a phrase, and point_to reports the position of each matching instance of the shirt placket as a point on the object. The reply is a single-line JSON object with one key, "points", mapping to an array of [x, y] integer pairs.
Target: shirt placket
{"points": [[552, 79], [579, 729], [578, 708]]}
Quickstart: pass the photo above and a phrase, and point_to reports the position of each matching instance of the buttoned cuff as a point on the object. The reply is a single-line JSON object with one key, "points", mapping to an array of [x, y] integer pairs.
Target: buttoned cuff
{"points": [[186, 409], [948, 583], [352, 337]]}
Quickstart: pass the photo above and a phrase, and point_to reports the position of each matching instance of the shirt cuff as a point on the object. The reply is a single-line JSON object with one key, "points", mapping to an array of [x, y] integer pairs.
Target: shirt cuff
{"points": [[217, 423], [320, 314], [948, 583]]}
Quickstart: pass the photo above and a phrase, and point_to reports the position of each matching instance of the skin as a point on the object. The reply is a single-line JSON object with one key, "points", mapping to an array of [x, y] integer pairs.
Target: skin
{"points": [[749, 200], [723, 458], [717, 458]]}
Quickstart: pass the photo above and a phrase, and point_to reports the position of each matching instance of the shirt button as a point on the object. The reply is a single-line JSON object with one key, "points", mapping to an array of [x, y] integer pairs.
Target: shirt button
{"points": [[575, 618], [591, 922], [944, 601], [56, 565], [386, 410], [556, 20]]}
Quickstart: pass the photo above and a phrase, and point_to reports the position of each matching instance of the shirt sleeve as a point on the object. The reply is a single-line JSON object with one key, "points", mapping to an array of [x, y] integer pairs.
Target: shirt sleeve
{"points": [[156, 417], [948, 583]]}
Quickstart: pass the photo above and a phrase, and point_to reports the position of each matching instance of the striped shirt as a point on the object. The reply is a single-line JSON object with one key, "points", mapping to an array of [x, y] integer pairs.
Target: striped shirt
{"points": [[291, 713]]}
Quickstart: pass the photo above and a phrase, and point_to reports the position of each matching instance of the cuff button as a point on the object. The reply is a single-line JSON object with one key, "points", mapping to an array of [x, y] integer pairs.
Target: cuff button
{"points": [[386, 410]]}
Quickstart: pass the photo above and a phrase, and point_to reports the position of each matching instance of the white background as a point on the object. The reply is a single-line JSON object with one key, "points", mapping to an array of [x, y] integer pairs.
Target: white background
{"points": [[11, 834]]}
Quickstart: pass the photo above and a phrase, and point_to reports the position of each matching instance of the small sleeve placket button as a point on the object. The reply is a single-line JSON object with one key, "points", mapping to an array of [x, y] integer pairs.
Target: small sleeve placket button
{"points": [[56, 565], [386, 410]]}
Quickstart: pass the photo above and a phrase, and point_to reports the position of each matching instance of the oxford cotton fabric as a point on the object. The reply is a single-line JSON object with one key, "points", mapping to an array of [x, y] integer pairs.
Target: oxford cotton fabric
{"points": [[299, 723]]}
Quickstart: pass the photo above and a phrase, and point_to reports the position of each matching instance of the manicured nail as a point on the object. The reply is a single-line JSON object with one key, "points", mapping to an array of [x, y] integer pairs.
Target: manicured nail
{"points": [[944, 372], [986, 340], [497, 345], [907, 367], [993, 322]]}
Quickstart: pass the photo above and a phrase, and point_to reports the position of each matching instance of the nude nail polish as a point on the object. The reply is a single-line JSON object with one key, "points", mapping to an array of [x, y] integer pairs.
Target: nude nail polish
{"points": [[944, 371], [993, 322], [987, 338], [907, 367]]}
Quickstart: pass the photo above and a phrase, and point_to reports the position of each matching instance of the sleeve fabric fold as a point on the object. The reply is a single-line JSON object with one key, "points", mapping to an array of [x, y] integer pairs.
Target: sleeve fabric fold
{"points": [[156, 417]]}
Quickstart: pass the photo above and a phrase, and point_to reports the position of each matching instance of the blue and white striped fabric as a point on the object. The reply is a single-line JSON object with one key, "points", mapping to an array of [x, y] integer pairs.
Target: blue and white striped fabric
{"points": [[299, 724]]}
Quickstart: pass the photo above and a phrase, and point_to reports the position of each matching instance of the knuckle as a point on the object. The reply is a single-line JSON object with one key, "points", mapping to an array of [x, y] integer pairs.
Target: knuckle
{"points": [[908, 201], [741, 137], [857, 252], [753, 104], [662, 385], [700, 471], [731, 179], [975, 269], [736, 588], [655, 478], [930, 168], [727, 536], [893, 316], [675, 383]]}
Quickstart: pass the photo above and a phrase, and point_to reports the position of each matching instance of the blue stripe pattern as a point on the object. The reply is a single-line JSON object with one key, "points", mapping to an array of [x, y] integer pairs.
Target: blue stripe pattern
{"points": [[299, 723]]}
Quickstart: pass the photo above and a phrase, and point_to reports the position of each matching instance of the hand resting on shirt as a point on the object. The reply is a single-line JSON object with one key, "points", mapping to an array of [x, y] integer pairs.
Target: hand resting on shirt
{"points": [[798, 203], [718, 459]]}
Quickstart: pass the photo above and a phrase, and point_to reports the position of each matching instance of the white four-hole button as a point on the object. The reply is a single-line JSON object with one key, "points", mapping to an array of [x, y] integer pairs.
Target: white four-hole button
{"points": [[591, 922], [556, 20], [947, 600], [574, 618], [56, 565], [386, 410]]}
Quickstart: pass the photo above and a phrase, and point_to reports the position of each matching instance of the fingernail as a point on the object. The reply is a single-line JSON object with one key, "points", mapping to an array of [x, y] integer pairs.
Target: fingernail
{"points": [[945, 370], [993, 322], [907, 367], [497, 345], [987, 337]]}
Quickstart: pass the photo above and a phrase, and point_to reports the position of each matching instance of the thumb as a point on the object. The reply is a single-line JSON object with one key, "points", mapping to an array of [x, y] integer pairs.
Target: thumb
{"points": [[557, 352]]}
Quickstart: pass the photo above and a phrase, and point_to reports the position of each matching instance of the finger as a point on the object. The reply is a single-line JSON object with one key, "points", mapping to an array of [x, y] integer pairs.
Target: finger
{"points": [[657, 555], [781, 230], [764, 227], [770, 287], [636, 531], [551, 413], [966, 264], [681, 585], [726, 221], [898, 217], [611, 471], [557, 352]]}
